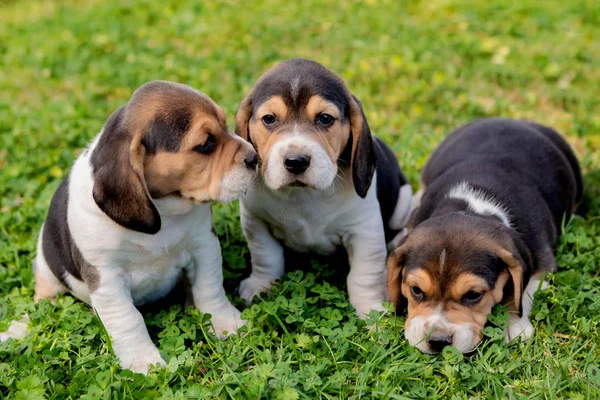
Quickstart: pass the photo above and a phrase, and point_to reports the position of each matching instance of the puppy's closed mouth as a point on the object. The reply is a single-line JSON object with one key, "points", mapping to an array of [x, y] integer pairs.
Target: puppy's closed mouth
{"points": [[297, 184]]}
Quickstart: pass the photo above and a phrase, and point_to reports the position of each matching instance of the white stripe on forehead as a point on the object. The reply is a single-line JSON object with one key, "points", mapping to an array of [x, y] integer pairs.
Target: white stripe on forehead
{"points": [[295, 87], [480, 202], [442, 261]]}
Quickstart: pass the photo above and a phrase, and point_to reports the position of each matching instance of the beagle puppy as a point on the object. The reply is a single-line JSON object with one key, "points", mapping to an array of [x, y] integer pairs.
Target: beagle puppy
{"points": [[133, 215], [324, 181], [494, 196]]}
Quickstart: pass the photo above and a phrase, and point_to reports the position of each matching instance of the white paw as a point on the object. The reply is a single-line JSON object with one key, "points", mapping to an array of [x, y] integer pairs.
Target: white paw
{"points": [[228, 321], [363, 308], [253, 286], [141, 360], [17, 329], [519, 328], [4, 336]]}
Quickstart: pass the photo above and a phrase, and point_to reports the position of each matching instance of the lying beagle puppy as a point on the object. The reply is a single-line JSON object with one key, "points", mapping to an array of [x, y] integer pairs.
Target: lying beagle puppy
{"points": [[133, 215], [495, 193], [315, 192]]}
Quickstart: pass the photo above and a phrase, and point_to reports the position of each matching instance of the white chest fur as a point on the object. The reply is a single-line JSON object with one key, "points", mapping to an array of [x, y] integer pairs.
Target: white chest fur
{"points": [[151, 265], [307, 220], [314, 221]]}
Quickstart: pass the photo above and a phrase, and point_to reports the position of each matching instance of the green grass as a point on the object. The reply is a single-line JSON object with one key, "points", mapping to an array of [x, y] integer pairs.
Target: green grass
{"points": [[419, 68]]}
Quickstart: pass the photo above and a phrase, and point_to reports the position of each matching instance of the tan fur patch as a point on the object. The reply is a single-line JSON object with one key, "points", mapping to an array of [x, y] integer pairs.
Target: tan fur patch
{"points": [[476, 315], [421, 279], [276, 106], [263, 141], [318, 105], [466, 282], [394, 278], [190, 173], [423, 309], [262, 138]]}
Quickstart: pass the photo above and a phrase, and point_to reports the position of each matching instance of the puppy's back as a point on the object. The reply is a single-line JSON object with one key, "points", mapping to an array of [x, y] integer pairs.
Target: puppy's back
{"points": [[566, 150], [515, 151]]}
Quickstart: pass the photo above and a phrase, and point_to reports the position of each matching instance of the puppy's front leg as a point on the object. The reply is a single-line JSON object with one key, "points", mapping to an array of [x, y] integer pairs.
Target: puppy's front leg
{"points": [[206, 278], [266, 253], [521, 326], [366, 280], [124, 323]]}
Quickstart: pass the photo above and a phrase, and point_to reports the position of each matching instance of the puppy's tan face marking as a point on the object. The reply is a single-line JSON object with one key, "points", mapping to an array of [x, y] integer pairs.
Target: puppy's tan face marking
{"points": [[280, 133], [168, 140], [451, 281], [335, 138], [198, 170], [262, 137]]}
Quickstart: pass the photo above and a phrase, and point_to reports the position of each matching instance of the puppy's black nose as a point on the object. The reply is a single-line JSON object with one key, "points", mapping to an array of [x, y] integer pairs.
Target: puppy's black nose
{"points": [[437, 343], [251, 160], [297, 164]]}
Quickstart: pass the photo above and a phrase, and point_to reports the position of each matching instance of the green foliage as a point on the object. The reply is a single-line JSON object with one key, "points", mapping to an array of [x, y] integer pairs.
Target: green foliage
{"points": [[420, 69]]}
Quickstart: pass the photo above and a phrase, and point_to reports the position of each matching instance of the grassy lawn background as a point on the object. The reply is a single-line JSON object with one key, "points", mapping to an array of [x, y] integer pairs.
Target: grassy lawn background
{"points": [[420, 68]]}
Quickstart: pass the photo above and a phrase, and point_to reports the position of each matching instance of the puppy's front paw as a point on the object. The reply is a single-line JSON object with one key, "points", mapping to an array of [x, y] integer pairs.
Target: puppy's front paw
{"points": [[227, 323], [140, 361], [253, 286], [363, 308], [519, 328], [17, 329]]}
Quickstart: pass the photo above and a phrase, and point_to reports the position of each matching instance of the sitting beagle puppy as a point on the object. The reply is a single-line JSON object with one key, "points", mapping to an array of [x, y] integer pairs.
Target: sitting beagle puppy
{"points": [[133, 215], [495, 194], [324, 182]]}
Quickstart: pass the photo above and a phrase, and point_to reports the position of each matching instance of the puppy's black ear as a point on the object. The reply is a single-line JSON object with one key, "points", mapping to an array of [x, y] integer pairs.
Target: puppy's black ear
{"points": [[119, 185], [395, 269], [519, 261], [242, 118], [364, 158]]}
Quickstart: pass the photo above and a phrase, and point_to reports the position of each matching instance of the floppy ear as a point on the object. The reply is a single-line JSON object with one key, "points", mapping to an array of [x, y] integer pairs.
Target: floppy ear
{"points": [[395, 269], [119, 185], [519, 263], [242, 118], [363, 158]]}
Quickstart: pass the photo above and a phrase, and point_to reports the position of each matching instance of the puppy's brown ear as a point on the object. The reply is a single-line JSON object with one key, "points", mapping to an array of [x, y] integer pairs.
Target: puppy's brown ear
{"points": [[395, 269], [119, 185], [242, 118], [364, 158], [518, 260]]}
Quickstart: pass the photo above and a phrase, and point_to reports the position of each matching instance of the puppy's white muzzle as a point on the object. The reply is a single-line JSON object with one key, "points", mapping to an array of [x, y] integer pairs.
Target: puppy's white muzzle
{"points": [[429, 333], [299, 160], [240, 178]]}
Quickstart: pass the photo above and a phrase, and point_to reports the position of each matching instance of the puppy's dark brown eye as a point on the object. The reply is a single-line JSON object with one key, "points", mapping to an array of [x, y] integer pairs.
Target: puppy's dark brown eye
{"points": [[324, 120], [268, 119], [208, 146], [472, 297], [417, 293]]}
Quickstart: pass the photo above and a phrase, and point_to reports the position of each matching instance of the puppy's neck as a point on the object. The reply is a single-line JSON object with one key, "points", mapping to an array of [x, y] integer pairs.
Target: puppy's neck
{"points": [[173, 206], [479, 202]]}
